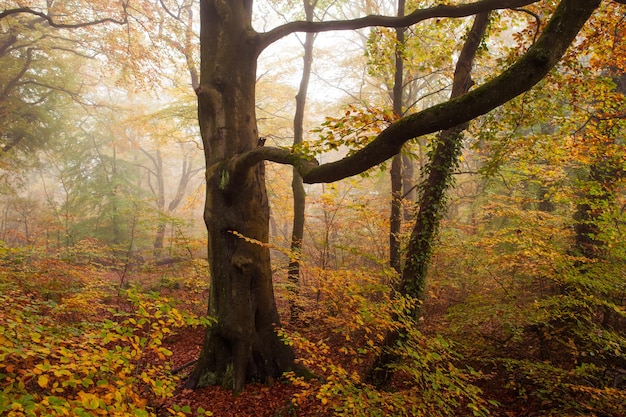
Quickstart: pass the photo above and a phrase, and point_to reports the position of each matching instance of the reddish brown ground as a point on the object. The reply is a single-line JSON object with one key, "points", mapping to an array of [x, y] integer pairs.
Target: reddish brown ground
{"points": [[275, 400], [257, 400]]}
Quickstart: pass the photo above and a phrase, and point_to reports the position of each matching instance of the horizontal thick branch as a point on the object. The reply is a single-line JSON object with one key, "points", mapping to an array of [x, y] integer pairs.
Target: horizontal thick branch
{"points": [[419, 15], [532, 67], [239, 164]]}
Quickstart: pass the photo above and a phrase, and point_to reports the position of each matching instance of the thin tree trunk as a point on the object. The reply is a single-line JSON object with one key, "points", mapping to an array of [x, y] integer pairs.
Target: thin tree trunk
{"points": [[395, 218], [162, 222], [408, 183], [299, 195]]}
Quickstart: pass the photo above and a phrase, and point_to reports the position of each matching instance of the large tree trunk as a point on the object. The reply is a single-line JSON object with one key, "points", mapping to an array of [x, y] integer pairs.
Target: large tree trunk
{"points": [[243, 345]]}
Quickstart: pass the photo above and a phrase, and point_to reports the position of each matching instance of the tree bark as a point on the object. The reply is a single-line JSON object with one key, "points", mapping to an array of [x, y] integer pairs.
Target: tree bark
{"points": [[297, 186], [408, 184], [395, 218], [243, 345]]}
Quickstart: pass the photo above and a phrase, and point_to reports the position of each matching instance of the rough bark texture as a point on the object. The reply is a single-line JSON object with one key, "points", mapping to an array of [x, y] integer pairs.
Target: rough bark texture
{"points": [[243, 346], [444, 161]]}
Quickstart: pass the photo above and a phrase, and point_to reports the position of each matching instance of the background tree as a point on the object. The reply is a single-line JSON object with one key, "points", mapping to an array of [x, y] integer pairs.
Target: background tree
{"points": [[297, 187], [38, 52], [91, 69], [443, 162], [395, 220], [35, 87]]}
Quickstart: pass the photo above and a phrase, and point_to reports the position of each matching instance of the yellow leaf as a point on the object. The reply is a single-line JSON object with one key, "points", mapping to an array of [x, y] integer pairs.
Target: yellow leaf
{"points": [[42, 381], [62, 372]]}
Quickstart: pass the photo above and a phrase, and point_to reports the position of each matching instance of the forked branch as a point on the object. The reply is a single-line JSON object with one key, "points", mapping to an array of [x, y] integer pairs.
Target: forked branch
{"points": [[51, 22], [419, 15], [532, 67]]}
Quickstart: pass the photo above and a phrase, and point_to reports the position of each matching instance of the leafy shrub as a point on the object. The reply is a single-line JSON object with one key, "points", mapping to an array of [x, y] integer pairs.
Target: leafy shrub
{"points": [[431, 378], [549, 323], [49, 367]]}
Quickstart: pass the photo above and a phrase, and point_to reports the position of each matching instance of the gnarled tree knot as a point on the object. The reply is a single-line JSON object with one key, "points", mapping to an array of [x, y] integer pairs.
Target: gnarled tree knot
{"points": [[242, 263]]}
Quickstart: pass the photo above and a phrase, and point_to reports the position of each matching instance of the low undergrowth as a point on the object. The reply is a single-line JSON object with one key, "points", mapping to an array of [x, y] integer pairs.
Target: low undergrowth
{"points": [[74, 340], [354, 314], [71, 343]]}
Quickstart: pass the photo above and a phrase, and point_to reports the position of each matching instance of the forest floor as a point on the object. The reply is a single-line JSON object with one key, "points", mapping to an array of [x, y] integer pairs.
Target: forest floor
{"points": [[277, 398], [257, 400], [336, 338]]}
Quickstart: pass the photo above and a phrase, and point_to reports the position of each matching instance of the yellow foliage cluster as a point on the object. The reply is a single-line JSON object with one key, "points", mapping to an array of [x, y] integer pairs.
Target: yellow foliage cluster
{"points": [[352, 317], [114, 366]]}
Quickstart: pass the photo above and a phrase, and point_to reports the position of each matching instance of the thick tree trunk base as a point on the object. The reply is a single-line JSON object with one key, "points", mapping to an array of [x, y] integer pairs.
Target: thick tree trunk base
{"points": [[233, 362]]}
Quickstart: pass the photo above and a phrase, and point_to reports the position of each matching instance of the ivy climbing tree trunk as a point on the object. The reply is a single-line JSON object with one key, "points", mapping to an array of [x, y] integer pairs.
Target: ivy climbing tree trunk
{"points": [[440, 170]]}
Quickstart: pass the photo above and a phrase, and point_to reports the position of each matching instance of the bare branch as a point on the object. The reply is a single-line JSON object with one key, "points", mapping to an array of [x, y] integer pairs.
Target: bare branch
{"points": [[537, 20], [440, 11], [15, 80], [51, 22], [8, 42], [167, 10], [531, 68]]}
